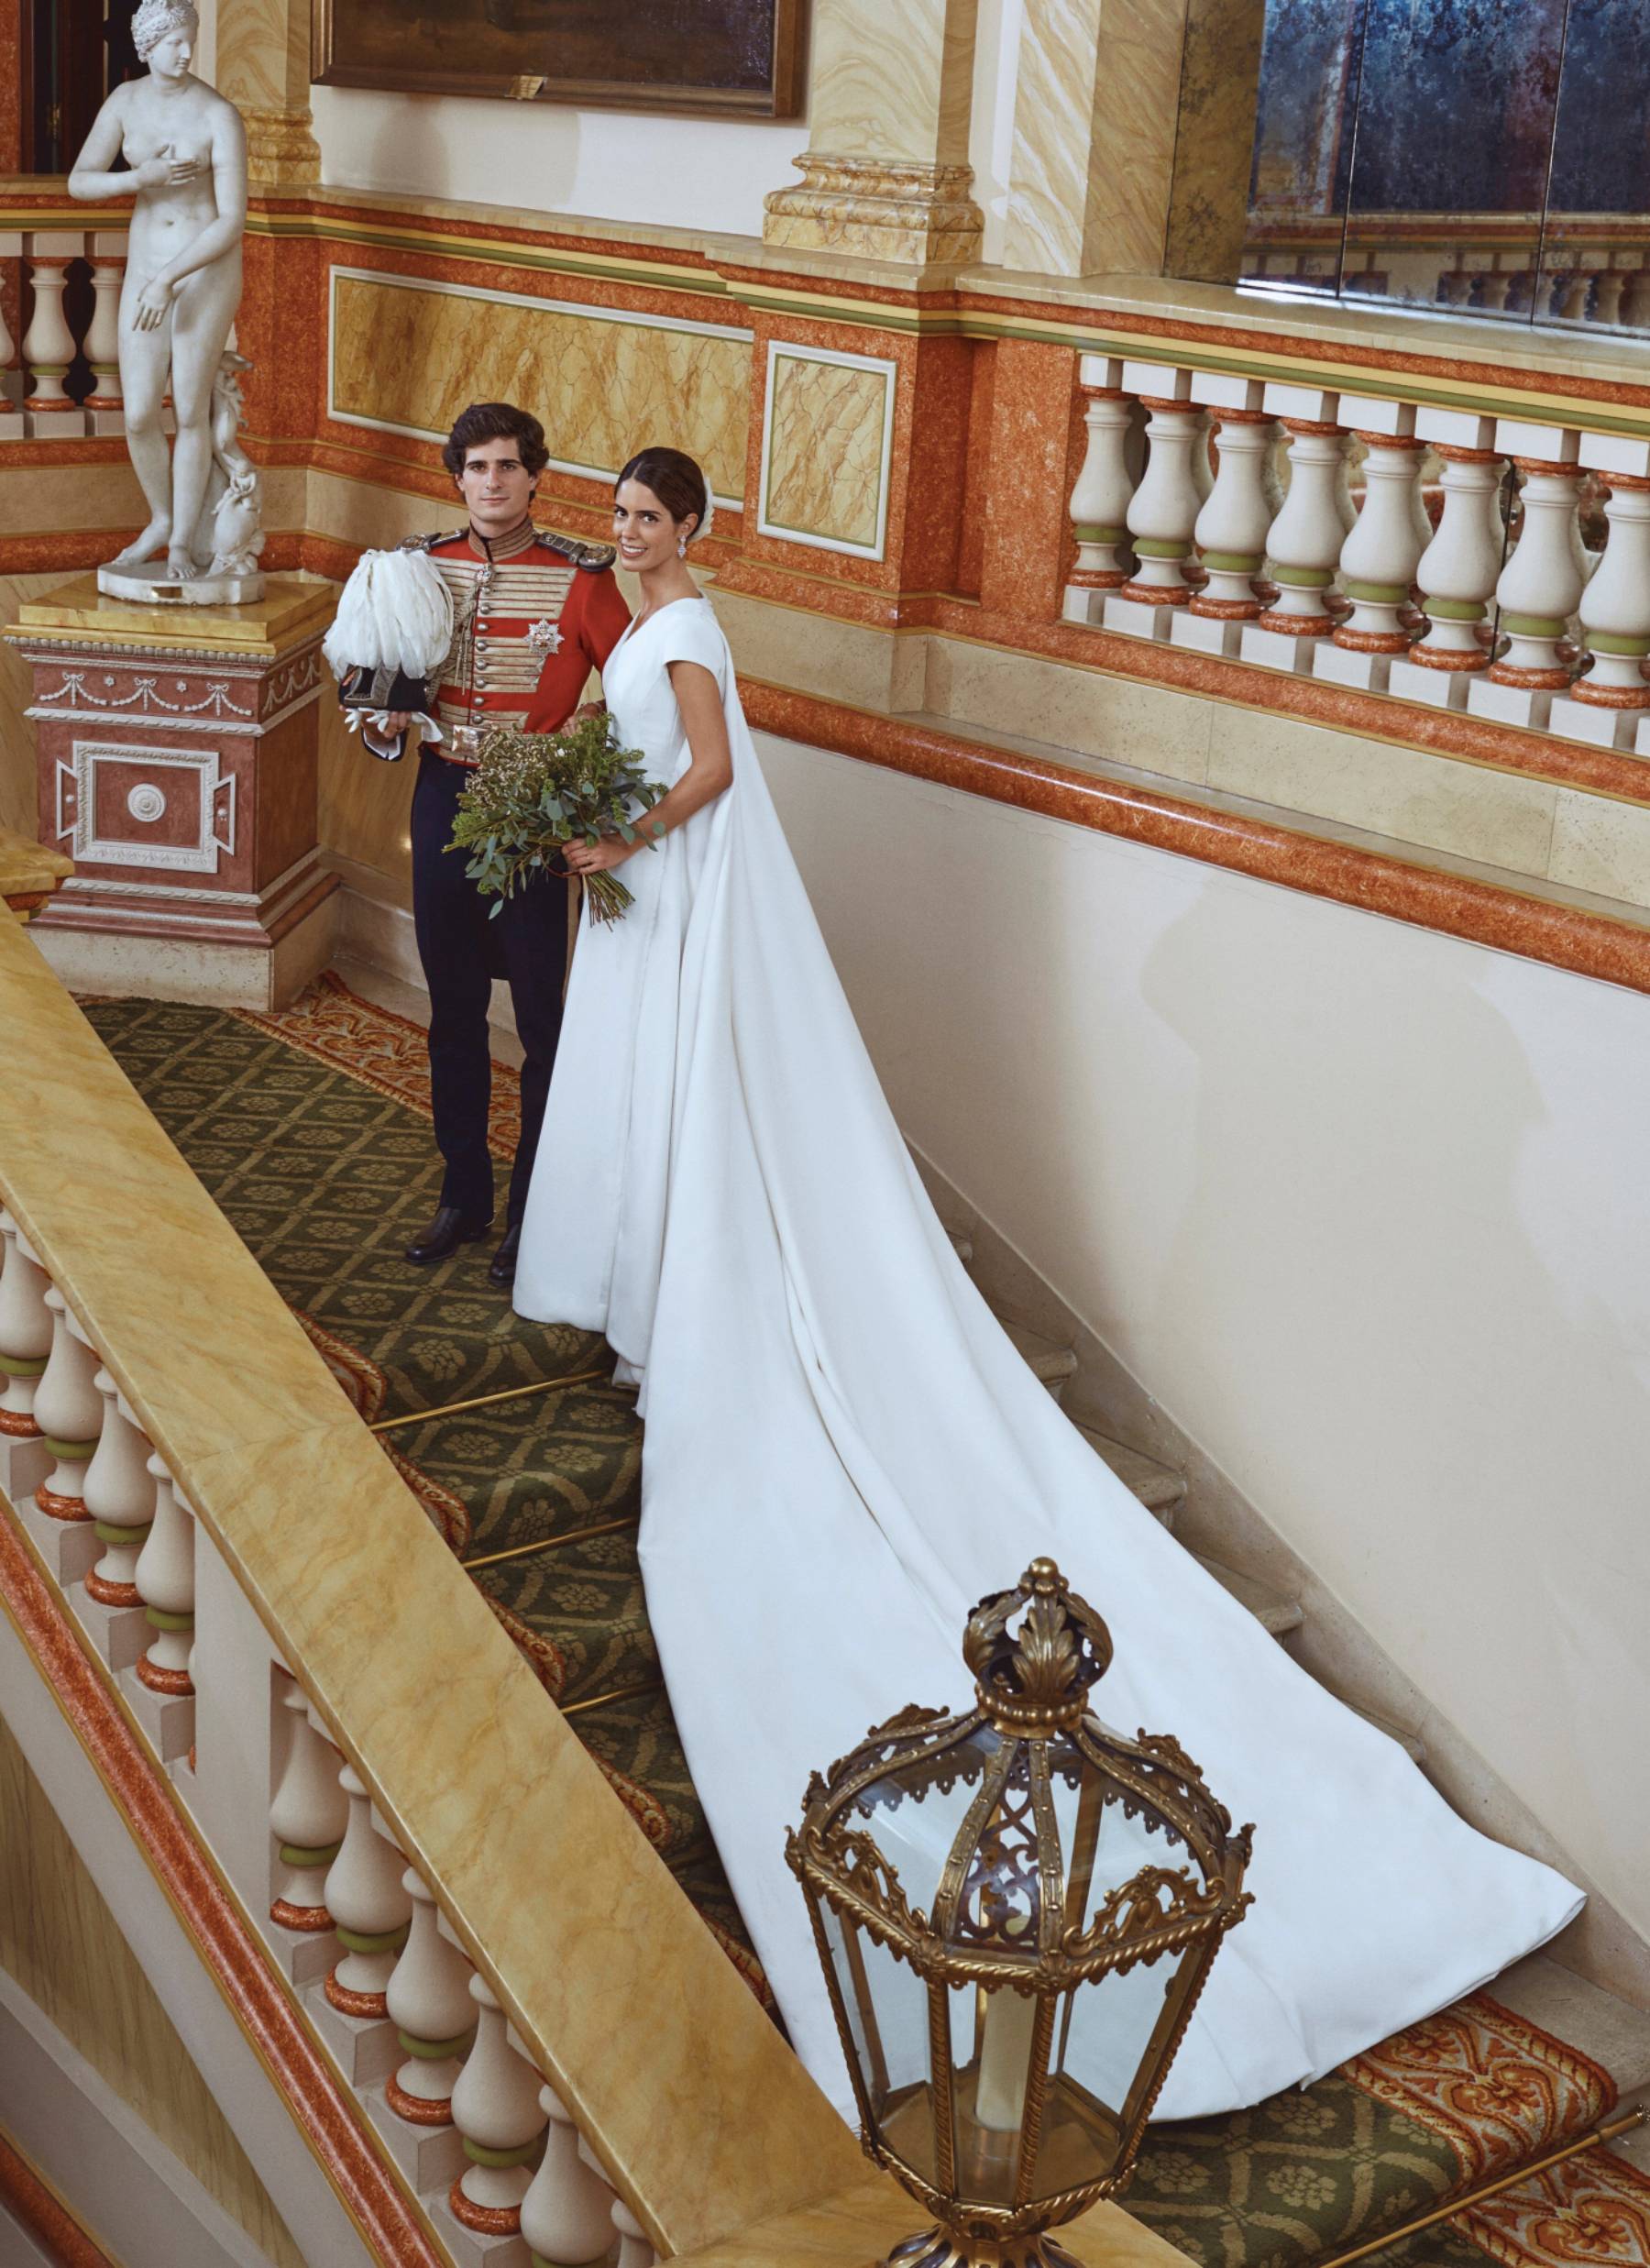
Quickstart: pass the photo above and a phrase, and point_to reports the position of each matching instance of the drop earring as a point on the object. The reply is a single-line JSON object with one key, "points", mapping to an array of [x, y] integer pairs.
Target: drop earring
{"points": [[681, 546]]}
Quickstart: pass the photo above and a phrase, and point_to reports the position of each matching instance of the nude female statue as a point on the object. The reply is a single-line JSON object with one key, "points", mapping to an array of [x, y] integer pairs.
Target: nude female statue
{"points": [[187, 152]]}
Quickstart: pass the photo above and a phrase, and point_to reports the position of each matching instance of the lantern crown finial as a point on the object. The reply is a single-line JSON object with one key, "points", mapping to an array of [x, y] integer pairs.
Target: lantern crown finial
{"points": [[1036, 1676]]}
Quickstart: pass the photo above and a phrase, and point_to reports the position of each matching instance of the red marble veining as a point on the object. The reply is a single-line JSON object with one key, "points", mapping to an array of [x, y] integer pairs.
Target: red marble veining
{"points": [[11, 91], [971, 537], [1482, 913], [233, 1957], [940, 393], [1027, 523], [61, 2236]]}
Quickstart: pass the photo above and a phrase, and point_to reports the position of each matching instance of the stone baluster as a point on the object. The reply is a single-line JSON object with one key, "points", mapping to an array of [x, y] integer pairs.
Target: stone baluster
{"points": [[104, 405], [164, 1579], [25, 1333], [500, 2118], [1458, 569], [11, 377], [1164, 509], [371, 1909], [1493, 287], [1304, 546], [1231, 527], [428, 2001], [1636, 307], [1386, 540], [567, 2212], [1609, 285], [1103, 489], [1541, 581], [634, 2250], [69, 1410], [308, 1815], [119, 1495], [49, 344], [1609, 705]]}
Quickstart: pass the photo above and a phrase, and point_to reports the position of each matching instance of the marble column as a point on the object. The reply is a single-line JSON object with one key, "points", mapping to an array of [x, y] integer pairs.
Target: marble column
{"points": [[1090, 177], [886, 174], [263, 66]]}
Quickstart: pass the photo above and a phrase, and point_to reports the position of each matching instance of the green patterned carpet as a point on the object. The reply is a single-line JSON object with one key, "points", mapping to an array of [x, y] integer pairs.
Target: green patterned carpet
{"points": [[307, 1128], [328, 1179]]}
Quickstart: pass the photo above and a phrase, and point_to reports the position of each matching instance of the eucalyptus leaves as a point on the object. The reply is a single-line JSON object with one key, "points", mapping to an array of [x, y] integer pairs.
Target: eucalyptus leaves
{"points": [[534, 793]]}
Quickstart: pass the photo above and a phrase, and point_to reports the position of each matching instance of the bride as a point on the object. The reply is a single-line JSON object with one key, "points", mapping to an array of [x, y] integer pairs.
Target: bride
{"points": [[844, 1452]]}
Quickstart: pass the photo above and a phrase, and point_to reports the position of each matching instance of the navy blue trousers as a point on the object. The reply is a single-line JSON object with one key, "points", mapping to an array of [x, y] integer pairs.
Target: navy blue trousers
{"points": [[462, 949]]}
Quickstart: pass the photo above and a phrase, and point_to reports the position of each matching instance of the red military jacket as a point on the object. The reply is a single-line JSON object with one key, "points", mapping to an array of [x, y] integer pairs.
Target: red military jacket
{"points": [[533, 615]]}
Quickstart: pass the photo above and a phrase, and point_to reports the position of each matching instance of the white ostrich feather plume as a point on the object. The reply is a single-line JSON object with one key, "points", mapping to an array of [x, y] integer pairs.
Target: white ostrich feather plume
{"points": [[395, 613]]}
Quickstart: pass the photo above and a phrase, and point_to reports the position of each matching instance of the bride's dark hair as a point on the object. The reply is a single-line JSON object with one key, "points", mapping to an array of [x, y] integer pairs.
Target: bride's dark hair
{"points": [[674, 478]]}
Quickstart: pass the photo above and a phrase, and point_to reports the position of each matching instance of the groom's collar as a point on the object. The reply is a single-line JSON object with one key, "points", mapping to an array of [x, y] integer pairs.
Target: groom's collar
{"points": [[510, 546]]}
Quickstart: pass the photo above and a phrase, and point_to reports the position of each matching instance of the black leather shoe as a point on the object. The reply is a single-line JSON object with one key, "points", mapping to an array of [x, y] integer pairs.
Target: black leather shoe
{"points": [[504, 1260], [450, 1229]]}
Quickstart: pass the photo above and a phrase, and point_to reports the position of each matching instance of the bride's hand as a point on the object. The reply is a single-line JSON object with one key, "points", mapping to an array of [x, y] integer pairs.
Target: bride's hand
{"points": [[609, 852]]}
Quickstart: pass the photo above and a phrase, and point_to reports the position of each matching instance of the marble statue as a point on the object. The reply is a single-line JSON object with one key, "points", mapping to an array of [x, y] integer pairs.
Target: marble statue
{"points": [[187, 154]]}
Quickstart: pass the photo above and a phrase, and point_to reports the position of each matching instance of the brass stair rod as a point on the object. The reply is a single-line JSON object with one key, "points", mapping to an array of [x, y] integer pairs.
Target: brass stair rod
{"points": [[548, 1543], [485, 1401], [619, 1693], [1599, 2134]]}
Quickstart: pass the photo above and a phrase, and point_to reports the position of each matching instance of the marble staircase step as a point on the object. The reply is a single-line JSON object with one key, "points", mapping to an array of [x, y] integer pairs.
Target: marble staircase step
{"points": [[1159, 1487], [1274, 1610], [1413, 1745], [1053, 1363]]}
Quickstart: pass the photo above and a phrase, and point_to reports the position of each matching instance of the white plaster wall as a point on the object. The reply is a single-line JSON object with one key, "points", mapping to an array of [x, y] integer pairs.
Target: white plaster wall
{"points": [[707, 174], [1365, 1207]]}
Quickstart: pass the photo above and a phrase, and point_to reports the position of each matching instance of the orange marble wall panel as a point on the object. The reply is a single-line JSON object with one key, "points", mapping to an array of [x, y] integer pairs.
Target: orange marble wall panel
{"points": [[1027, 526], [976, 470]]}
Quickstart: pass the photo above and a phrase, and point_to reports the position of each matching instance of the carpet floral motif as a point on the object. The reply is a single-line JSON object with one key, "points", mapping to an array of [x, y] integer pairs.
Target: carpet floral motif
{"points": [[1594, 2211]]}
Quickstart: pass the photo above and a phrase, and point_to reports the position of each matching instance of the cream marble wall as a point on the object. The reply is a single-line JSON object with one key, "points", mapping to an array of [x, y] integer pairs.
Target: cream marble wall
{"points": [[412, 355], [60, 1941], [1360, 1206], [1220, 83], [825, 449], [892, 83], [1093, 135]]}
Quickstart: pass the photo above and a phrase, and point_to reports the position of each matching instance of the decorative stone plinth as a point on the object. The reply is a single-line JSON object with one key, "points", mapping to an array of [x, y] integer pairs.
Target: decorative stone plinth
{"points": [[177, 752], [149, 585], [877, 208]]}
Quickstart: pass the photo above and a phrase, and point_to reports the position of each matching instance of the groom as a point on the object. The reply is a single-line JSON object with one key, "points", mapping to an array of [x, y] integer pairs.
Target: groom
{"points": [[533, 614]]}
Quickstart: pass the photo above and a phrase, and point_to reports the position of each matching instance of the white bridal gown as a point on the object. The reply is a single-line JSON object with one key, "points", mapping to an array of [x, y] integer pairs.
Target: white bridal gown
{"points": [[844, 1453]]}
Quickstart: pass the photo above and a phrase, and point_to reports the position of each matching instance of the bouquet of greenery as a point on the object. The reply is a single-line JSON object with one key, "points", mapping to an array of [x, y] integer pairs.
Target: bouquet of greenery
{"points": [[534, 793]]}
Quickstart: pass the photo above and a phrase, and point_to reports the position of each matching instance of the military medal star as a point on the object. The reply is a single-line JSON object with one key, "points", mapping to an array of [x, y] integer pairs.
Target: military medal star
{"points": [[544, 638]]}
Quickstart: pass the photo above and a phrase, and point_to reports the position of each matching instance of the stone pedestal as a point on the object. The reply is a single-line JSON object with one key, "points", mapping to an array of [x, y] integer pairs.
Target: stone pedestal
{"points": [[177, 757]]}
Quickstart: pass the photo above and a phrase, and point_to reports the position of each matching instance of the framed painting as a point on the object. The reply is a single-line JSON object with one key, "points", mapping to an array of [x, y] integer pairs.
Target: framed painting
{"points": [[738, 57]]}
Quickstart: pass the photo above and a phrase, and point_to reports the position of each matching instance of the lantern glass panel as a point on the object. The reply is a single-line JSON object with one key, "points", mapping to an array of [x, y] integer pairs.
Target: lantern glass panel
{"points": [[914, 1813], [1112, 2023], [887, 2009], [991, 2063], [1101, 1847]]}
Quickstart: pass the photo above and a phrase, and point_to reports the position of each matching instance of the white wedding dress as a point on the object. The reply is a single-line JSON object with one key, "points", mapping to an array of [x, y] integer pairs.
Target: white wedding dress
{"points": [[844, 1453]]}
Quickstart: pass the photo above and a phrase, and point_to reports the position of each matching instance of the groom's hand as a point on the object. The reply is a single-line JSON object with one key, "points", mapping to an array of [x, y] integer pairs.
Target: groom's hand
{"points": [[588, 708]]}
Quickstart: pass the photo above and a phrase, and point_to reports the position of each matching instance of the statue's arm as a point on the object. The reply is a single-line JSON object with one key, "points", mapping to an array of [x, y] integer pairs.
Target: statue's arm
{"points": [[223, 232], [92, 176]]}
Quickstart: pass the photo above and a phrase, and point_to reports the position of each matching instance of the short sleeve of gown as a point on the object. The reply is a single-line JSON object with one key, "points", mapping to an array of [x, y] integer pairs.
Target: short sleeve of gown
{"points": [[690, 632]]}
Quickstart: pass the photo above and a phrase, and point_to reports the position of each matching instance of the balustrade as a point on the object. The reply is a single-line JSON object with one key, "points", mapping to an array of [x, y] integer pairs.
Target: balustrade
{"points": [[35, 401], [419, 2036], [1347, 576]]}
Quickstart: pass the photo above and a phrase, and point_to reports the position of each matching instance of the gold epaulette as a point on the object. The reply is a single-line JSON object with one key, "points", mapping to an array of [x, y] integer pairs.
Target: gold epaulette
{"points": [[595, 558]]}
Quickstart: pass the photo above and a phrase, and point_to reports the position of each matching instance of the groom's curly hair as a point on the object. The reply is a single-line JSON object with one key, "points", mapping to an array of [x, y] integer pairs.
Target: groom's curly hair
{"points": [[496, 421]]}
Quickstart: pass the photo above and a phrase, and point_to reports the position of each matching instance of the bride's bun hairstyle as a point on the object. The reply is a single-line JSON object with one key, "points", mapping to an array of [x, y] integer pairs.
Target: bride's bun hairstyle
{"points": [[676, 482]]}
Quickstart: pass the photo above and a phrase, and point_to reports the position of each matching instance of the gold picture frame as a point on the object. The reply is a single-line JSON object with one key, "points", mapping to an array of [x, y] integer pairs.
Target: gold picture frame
{"points": [[739, 58]]}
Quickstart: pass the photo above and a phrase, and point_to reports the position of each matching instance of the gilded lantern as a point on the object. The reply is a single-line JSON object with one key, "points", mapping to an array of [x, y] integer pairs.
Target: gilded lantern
{"points": [[1016, 1911]]}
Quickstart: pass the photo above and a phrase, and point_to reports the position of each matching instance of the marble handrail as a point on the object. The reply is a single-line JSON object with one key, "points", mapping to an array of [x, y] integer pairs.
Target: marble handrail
{"points": [[30, 872], [697, 2113], [1252, 547]]}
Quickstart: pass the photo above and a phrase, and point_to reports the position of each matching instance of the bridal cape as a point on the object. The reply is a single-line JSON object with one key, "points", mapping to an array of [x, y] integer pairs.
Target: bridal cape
{"points": [[844, 1453]]}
